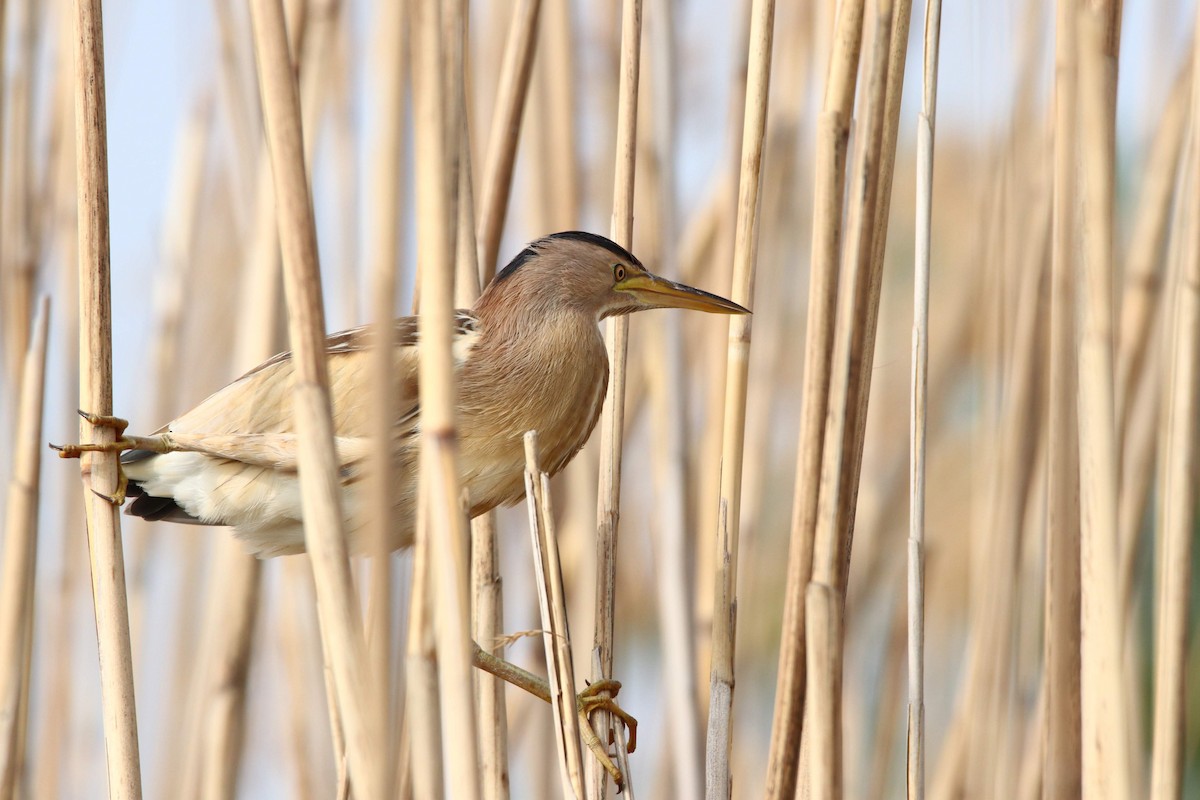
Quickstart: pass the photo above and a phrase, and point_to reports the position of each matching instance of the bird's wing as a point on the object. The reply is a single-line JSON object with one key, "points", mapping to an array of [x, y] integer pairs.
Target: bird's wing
{"points": [[260, 401]]}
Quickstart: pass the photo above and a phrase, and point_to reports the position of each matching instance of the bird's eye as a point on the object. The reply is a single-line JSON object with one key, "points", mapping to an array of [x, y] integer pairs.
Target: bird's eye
{"points": [[619, 272]]}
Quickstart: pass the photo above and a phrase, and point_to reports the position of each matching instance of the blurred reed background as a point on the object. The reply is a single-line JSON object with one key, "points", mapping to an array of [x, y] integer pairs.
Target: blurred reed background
{"points": [[767, 152]]}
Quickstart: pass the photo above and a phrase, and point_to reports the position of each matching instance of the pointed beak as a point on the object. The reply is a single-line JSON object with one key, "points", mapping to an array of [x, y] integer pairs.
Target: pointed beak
{"points": [[657, 292]]}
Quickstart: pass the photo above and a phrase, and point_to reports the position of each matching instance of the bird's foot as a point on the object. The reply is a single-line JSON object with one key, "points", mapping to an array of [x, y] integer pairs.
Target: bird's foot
{"points": [[601, 696], [120, 445]]}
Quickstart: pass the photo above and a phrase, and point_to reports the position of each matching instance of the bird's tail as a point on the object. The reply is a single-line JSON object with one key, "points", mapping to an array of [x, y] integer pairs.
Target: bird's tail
{"points": [[144, 505]]}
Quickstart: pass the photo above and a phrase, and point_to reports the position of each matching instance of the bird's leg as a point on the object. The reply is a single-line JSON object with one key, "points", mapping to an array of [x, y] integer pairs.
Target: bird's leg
{"points": [[157, 444], [599, 696]]}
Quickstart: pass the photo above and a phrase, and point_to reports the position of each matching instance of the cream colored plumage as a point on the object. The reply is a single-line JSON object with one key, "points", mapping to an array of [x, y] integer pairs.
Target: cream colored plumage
{"points": [[529, 356]]}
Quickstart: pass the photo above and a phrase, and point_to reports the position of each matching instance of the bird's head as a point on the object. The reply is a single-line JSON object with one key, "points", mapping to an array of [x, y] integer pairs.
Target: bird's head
{"points": [[594, 275]]}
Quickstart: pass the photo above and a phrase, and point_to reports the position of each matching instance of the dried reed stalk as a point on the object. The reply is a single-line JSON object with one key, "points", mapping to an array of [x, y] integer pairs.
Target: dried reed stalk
{"points": [[488, 615], [612, 419], [831, 542], [383, 247], [54, 749], [223, 730], [11, 356], [336, 600], [436, 157], [1105, 757], [719, 746], [1142, 303], [422, 709], [556, 634], [667, 387], [505, 131], [100, 470], [920, 386], [1147, 246], [1179, 492], [20, 557], [487, 608], [990, 678], [833, 131], [487, 597], [20, 234], [183, 742], [237, 100], [1062, 758]]}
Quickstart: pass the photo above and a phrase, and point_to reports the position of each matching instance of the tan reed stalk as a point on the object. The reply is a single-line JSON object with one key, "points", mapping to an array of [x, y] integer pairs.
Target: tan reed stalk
{"points": [[866, 301], [833, 130], [341, 624], [888, 706], [1063, 755], [1105, 755], [223, 731], [19, 234], [11, 356], [556, 634], [487, 599], [218, 701], [719, 746], [920, 386], [1142, 302], [488, 616], [991, 677], [236, 100], [422, 709], [505, 131], [447, 519], [54, 749], [556, 65], [667, 383], [183, 741], [1029, 781], [435, 150], [296, 651], [383, 248], [820, 755], [1179, 493], [612, 419], [1146, 249], [20, 557], [100, 470], [831, 545]]}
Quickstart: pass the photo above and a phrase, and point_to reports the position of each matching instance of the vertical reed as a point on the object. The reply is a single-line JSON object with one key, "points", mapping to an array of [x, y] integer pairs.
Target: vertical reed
{"points": [[1179, 491], [1062, 762], [505, 131], [383, 248], [20, 557], [616, 337], [556, 635], [833, 132], [920, 406], [100, 470], [1106, 771], [340, 622], [718, 770], [838, 485]]}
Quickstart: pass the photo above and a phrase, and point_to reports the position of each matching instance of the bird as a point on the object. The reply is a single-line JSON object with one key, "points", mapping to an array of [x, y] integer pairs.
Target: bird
{"points": [[528, 354]]}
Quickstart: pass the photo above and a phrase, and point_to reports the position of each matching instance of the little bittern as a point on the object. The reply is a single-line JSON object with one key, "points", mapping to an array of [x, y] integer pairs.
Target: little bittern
{"points": [[529, 355]]}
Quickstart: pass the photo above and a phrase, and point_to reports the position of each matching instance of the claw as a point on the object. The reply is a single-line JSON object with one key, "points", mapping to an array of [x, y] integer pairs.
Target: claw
{"points": [[117, 498], [105, 421], [599, 696], [121, 444]]}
